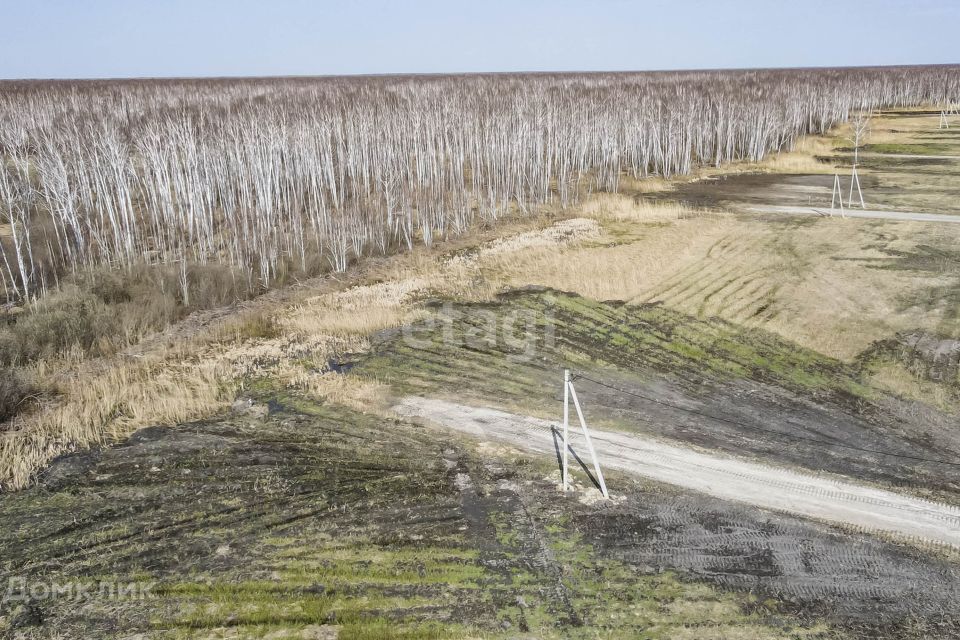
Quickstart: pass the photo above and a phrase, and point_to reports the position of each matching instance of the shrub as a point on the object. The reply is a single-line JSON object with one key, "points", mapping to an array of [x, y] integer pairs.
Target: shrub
{"points": [[14, 393], [98, 311], [59, 322], [250, 326], [8, 346]]}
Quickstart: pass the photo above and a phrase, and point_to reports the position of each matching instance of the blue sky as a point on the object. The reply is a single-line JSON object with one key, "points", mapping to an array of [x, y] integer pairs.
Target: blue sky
{"points": [[137, 38]]}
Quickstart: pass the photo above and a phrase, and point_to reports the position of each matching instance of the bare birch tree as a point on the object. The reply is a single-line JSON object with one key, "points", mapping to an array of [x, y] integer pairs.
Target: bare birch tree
{"points": [[268, 175]]}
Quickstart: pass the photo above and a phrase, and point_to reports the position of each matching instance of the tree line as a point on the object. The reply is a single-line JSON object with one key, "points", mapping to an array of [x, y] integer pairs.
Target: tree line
{"points": [[261, 174]]}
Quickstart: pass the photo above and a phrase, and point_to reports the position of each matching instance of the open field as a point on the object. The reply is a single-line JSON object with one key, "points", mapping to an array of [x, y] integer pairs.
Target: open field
{"points": [[709, 383], [245, 466], [295, 535]]}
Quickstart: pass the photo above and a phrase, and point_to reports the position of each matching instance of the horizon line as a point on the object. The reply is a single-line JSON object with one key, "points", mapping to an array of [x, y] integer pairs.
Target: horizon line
{"points": [[442, 74]]}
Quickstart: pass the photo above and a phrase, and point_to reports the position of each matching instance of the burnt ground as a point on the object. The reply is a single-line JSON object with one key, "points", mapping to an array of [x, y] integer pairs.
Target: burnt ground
{"points": [[300, 519], [754, 189], [305, 520], [892, 176], [707, 382], [881, 184]]}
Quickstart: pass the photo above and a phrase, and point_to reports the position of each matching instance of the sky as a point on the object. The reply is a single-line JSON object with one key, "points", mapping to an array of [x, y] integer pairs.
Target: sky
{"points": [[177, 38]]}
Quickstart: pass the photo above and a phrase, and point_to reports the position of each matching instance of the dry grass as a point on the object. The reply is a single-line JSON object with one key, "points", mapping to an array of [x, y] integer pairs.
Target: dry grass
{"points": [[732, 631], [102, 404], [474, 274], [357, 311], [102, 401], [898, 380], [621, 208], [620, 269], [795, 162], [103, 408], [298, 361], [550, 237], [896, 130], [649, 184], [15, 392], [816, 284], [366, 396], [838, 302]]}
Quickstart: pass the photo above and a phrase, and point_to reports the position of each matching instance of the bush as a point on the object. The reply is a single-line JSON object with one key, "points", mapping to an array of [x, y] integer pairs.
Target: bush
{"points": [[58, 323], [112, 287], [14, 393], [250, 326], [100, 311], [8, 346]]}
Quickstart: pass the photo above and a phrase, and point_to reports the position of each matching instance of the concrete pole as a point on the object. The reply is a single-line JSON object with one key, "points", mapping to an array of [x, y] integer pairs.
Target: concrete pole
{"points": [[586, 435], [566, 422]]}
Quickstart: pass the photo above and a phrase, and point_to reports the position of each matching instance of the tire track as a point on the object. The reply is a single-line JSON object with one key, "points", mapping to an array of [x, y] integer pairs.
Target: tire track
{"points": [[908, 216]]}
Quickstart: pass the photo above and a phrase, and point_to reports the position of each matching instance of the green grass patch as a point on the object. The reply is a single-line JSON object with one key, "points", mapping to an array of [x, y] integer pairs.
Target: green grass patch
{"points": [[918, 149], [567, 330]]}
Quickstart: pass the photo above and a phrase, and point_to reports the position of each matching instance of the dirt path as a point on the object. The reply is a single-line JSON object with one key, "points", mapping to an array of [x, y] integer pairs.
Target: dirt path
{"points": [[822, 496], [905, 156], [910, 216]]}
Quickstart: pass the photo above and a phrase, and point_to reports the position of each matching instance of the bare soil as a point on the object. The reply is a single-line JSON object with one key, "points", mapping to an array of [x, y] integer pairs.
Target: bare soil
{"points": [[921, 174], [706, 382], [293, 515]]}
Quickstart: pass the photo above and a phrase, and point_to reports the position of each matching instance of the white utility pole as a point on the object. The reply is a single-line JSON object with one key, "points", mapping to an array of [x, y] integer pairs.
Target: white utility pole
{"points": [[837, 195], [568, 392], [855, 180], [566, 421]]}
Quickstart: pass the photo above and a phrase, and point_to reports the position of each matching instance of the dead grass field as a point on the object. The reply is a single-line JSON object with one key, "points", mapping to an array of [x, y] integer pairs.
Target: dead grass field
{"points": [[101, 401], [906, 127], [829, 284]]}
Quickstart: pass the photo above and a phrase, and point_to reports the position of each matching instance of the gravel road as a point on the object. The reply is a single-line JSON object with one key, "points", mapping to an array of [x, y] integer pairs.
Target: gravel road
{"points": [[910, 216], [820, 496]]}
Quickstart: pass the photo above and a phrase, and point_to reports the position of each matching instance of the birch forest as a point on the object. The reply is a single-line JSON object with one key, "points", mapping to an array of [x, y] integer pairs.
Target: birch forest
{"points": [[260, 175]]}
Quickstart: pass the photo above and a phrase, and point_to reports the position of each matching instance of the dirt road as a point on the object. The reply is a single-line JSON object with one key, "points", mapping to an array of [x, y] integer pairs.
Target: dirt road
{"points": [[910, 216], [822, 496], [906, 156]]}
